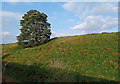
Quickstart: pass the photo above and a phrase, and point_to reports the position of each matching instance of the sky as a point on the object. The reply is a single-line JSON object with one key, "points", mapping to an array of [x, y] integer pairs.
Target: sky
{"points": [[66, 18]]}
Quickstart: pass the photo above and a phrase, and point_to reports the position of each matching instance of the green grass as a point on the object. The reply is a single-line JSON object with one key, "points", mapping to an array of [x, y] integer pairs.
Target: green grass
{"points": [[91, 57]]}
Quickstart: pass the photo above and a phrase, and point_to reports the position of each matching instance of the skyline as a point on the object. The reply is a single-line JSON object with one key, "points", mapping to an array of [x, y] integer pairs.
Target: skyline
{"points": [[66, 18]]}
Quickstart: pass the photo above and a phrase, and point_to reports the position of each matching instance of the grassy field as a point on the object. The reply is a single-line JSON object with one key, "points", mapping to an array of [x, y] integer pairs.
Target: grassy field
{"points": [[84, 58]]}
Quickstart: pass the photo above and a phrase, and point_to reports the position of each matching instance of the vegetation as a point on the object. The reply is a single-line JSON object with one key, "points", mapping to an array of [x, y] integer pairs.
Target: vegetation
{"points": [[88, 58], [35, 29]]}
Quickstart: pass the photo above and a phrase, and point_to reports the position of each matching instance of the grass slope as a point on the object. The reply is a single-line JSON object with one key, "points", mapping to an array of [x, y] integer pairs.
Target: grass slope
{"points": [[91, 57]]}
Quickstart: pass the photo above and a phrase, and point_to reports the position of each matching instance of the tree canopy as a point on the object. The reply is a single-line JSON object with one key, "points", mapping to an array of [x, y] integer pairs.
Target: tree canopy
{"points": [[35, 29]]}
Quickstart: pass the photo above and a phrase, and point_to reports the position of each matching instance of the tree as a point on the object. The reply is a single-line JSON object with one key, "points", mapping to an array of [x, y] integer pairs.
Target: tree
{"points": [[35, 29]]}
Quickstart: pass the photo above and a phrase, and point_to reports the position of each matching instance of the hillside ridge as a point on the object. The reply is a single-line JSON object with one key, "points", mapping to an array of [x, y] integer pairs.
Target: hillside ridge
{"points": [[91, 57]]}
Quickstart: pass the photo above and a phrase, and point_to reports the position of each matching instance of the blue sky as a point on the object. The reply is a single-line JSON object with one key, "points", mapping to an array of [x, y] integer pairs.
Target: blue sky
{"points": [[66, 18]]}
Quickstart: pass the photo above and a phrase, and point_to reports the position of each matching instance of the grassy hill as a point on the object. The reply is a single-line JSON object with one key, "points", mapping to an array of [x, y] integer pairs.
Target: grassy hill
{"points": [[91, 57]]}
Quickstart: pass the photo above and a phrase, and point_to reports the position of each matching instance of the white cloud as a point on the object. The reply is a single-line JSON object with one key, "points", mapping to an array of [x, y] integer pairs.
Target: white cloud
{"points": [[70, 6], [8, 18], [56, 34], [7, 37], [80, 9], [7, 15], [104, 8], [61, 34], [84, 9], [97, 24], [97, 16], [9, 22], [5, 33]]}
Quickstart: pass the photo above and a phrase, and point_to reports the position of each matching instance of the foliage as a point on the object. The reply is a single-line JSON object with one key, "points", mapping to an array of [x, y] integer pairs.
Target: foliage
{"points": [[35, 29]]}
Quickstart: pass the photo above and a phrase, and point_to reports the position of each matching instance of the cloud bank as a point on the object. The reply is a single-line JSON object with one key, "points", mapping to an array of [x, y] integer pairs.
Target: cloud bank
{"points": [[97, 17], [96, 24]]}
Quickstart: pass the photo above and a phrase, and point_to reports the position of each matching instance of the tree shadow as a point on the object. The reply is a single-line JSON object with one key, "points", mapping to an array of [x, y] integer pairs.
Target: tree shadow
{"points": [[30, 74]]}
